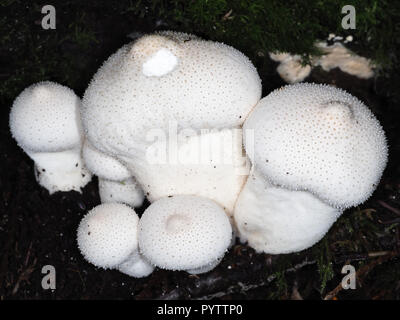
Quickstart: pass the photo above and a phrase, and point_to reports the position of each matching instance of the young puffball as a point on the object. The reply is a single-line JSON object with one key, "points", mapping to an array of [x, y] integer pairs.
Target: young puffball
{"points": [[115, 181], [184, 233], [317, 150], [151, 90], [45, 122], [108, 238]]}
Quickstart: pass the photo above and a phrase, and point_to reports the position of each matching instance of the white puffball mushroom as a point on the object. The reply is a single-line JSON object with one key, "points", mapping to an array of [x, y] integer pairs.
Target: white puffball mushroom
{"points": [[320, 139], [108, 238], [276, 220], [184, 233], [316, 151], [45, 122], [167, 81], [127, 191]]}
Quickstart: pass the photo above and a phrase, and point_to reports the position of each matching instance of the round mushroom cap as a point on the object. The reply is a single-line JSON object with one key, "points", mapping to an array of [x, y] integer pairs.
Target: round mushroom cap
{"points": [[107, 235], [163, 78], [320, 139], [45, 118], [103, 165], [184, 232]]}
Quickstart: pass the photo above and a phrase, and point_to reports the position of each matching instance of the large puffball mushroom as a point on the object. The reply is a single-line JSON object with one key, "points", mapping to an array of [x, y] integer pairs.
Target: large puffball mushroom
{"points": [[320, 139], [184, 233], [276, 220], [316, 150], [115, 181], [45, 122], [162, 82], [108, 238]]}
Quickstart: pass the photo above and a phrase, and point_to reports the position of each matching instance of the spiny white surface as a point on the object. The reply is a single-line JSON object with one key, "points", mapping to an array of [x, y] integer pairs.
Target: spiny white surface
{"points": [[184, 232], [45, 118], [60, 171], [45, 122], [107, 235], [136, 266], [103, 165], [212, 86], [127, 191], [160, 63], [205, 268], [275, 220], [320, 139], [211, 165]]}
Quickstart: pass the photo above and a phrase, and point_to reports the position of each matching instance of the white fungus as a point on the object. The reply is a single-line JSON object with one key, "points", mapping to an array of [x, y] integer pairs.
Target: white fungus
{"points": [[276, 220], [320, 139], [103, 165], [184, 233], [127, 191], [316, 151], [108, 238], [45, 122], [333, 56], [115, 181], [211, 86]]}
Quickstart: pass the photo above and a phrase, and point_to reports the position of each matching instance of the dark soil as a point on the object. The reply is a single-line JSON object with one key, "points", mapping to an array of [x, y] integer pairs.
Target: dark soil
{"points": [[37, 229]]}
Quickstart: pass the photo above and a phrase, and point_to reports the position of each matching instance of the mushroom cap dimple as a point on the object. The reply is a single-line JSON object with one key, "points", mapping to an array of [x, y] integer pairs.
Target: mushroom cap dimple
{"points": [[45, 118], [184, 232], [320, 139], [103, 165], [212, 85], [107, 235]]}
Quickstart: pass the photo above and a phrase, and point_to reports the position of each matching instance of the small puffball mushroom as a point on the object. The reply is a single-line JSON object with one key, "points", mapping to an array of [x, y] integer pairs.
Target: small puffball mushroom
{"points": [[115, 181], [108, 238], [276, 220], [184, 233], [45, 122], [316, 150], [127, 191]]}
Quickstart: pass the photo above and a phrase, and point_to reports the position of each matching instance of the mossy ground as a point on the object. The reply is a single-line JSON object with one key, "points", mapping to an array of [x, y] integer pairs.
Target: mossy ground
{"points": [[38, 229]]}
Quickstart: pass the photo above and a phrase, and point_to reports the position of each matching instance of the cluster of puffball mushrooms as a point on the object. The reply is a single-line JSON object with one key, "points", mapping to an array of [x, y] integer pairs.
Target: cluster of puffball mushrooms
{"points": [[310, 151]]}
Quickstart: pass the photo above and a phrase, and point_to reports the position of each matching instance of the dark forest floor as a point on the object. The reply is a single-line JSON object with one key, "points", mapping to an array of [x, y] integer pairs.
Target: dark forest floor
{"points": [[37, 229]]}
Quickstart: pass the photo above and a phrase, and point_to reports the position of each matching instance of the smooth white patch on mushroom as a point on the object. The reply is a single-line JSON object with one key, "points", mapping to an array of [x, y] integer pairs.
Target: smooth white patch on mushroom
{"points": [[45, 122], [108, 238], [308, 138], [127, 191], [160, 63], [184, 233], [276, 220]]}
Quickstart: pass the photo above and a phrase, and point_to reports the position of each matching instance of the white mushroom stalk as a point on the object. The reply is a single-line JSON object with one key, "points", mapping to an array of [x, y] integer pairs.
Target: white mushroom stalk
{"points": [[184, 233], [171, 80], [313, 139], [116, 183], [108, 238], [45, 122]]}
